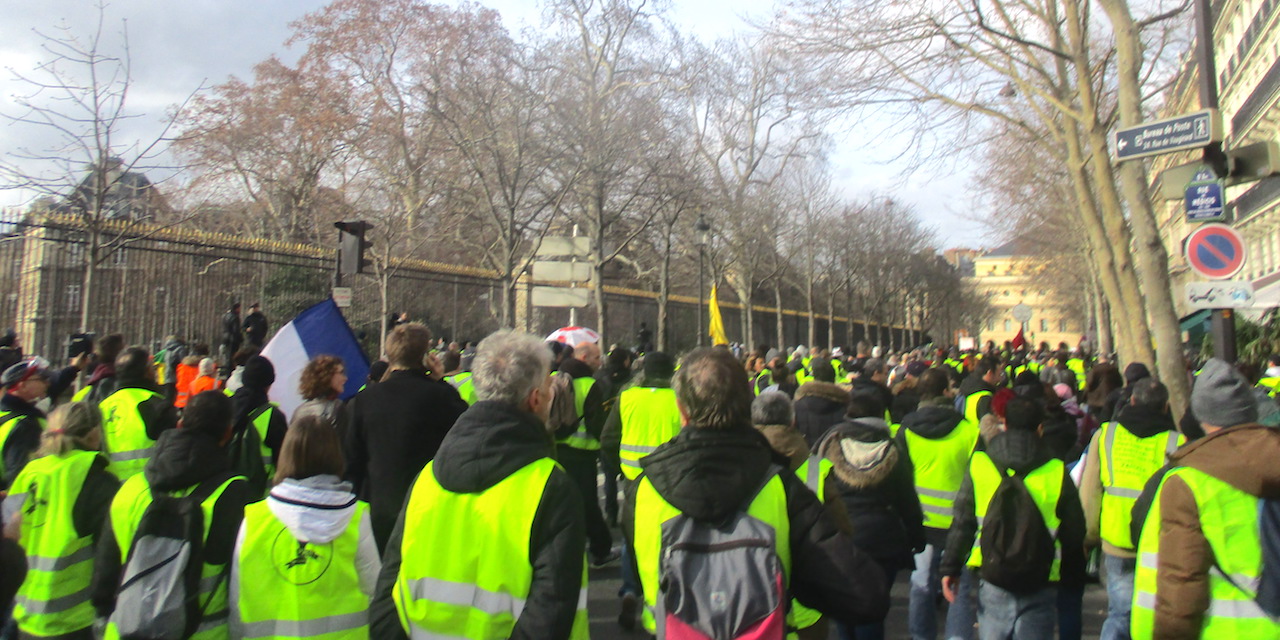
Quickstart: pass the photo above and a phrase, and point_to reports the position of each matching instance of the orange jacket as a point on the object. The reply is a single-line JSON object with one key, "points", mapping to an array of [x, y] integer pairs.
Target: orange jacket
{"points": [[186, 376], [202, 384]]}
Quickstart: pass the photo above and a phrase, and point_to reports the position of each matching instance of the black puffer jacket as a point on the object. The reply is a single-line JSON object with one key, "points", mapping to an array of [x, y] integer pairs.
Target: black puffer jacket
{"points": [[819, 406], [182, 459], [877, 487], [709, 474], [491, 441], [1020, 451]]}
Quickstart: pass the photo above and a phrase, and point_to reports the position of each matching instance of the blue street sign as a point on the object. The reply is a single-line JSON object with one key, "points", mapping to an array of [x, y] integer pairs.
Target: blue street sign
{"points": [[1190, 131], [1204, 198]]}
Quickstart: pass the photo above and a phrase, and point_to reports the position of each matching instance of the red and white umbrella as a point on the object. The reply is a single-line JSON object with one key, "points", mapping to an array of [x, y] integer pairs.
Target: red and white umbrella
{"points": [[573, 336]]}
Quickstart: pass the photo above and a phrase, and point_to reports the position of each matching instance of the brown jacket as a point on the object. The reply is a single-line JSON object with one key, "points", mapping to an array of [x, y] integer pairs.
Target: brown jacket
{"points": [[1243, 456]]}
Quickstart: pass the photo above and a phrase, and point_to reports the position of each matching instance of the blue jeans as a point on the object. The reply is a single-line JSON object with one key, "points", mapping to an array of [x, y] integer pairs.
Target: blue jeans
{"points": [[870, 631], [1119, 596], [926, 584], [1005, 616]]}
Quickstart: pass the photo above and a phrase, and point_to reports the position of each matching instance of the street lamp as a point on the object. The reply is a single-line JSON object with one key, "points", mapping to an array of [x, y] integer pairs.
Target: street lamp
{"points": [[703, 235]]}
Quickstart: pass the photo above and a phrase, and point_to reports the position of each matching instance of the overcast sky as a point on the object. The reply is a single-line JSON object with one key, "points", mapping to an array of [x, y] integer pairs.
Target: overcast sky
{"points": [[178, 46]]}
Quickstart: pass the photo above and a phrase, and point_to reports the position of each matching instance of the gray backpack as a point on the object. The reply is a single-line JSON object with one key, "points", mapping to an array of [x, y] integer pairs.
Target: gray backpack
{"points": [[158, 597], [722, 583]]}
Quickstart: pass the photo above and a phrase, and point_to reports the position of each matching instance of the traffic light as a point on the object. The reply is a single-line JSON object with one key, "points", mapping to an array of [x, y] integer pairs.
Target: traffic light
{"points": [[351, 246]]}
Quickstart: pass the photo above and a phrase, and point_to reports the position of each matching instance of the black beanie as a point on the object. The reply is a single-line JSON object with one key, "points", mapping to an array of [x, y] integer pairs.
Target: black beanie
{"points": [[258, 373], [658, 366]]}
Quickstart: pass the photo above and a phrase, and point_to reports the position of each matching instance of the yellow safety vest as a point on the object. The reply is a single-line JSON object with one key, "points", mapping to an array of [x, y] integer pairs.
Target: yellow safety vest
{"points": [[650, 418], [1126, 463], [54, 598], [652, 510], [939, 469], [126, 514], [581, 438], [314, 589], [1271, 385], [124, 433], [971, 405], [465, 570], [8, 421], [1229, 522], [813, 472], [1076, 365], [465, 385], [1045, 486], [261, 420]]}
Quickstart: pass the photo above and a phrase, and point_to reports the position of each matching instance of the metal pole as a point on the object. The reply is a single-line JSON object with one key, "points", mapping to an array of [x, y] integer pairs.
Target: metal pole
{"points": [[700, 289], [1223, 326]]}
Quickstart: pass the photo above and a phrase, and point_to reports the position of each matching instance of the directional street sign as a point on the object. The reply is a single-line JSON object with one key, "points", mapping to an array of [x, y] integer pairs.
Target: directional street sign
{"points": [[1204, 197], [561, 271], [1225, 294], [1021, 312], [1215, 251], [1190, 131], [561, 297]]}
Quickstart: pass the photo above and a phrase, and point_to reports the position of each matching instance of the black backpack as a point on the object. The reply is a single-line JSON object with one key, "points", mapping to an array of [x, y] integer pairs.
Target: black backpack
{"points": [[159, 593], [245, 453], [1017, 550]]}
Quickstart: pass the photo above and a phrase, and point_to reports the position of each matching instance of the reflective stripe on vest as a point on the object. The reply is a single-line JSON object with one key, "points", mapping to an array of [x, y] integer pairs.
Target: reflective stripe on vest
{"points": [[582, 439], [125, 433], [940, 464], [465, 385], [126, 514], [315, 588], [971, 405], [1229, 523], [652, 510], [649, 418], [1044, 483], [54, 598], [1126, 462], [465, 569]]}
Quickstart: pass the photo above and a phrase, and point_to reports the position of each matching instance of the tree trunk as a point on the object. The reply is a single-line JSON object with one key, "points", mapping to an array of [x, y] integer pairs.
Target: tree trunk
{"points": [[90, 271], [777, 313], [811, 312], [664, 291]]}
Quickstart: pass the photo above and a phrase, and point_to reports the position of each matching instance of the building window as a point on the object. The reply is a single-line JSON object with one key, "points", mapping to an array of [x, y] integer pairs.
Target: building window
{"points": [[1044, 324], [73, 298], [1062, 325], [118, 258], [1007, 325]]}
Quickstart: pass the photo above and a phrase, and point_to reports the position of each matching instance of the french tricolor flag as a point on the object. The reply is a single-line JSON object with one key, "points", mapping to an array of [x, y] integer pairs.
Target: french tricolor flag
{"points": [[320, 330]]}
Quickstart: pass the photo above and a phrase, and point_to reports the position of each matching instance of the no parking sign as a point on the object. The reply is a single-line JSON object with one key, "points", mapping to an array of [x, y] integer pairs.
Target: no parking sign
{"points": [[1215, 251]]}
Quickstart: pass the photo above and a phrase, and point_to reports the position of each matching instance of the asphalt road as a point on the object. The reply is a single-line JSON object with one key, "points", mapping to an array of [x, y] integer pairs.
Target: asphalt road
{"points": [[603, 605]]}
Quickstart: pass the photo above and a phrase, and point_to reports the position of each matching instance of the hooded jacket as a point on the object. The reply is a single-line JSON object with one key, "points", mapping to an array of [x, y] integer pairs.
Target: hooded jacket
{"points": [[819, 406], [1022, 452], [1142, 422], [314, 510], [876, 485], [181, 460], [491, 441], [1243, 456], [935, 419], [709, 474], [395, 429]]}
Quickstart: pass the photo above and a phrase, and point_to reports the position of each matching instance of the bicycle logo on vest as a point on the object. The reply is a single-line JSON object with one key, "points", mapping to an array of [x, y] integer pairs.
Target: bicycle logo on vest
{"points": [[299, 562]]}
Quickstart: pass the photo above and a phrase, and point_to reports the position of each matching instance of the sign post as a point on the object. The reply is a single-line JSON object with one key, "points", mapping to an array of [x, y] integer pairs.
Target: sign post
{"points": [[1189, 131]]}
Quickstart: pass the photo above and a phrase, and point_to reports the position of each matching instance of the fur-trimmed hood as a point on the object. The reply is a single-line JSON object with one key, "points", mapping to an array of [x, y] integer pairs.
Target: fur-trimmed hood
{"points": [[863, 454]]}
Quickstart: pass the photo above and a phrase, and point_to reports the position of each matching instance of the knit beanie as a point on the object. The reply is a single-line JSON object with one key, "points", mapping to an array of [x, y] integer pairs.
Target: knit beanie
{"points": [[1222, 397], [658, 366], [258, 373], [1135, 372]]}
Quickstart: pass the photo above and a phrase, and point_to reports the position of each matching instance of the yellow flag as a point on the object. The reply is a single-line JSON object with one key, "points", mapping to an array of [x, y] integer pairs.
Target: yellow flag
{"points": [[716, 329]]}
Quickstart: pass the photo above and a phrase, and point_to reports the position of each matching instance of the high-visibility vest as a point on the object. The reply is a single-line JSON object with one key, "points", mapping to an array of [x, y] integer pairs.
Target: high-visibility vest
{"points": [[940, 464], [763, 380], [9, 420], [126, 513], [1126, 462], [261, 419], [971, 405], [82, 394], [1270, 384], [124, 433], [1229, 522], [1043, 483], [650, 418], [313, 590], [652, 510], [1076, 365], [465, 385], [54, 598], [581, 438], [465, 570], [813, 472], [184, 376]]}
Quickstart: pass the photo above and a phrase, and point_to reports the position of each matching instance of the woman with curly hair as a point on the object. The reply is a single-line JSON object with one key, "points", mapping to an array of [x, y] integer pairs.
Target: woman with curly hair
{"points": [[322, 382]]}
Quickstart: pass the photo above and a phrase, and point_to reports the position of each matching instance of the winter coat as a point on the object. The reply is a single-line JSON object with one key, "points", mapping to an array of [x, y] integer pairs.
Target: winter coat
{"points": [[863, 385], [935, 419], [331, 410], [1103, 379], [905, 400], [818, 407], [877, 487], [315, 510], [180, 460], [1022, 452], [709, 474], [232, 337], [188, 371], [1141, 422], [1242, 456], [255, 328], [24, 437], [788, 443], [395, 429], [491, 441], [971, 385]]}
